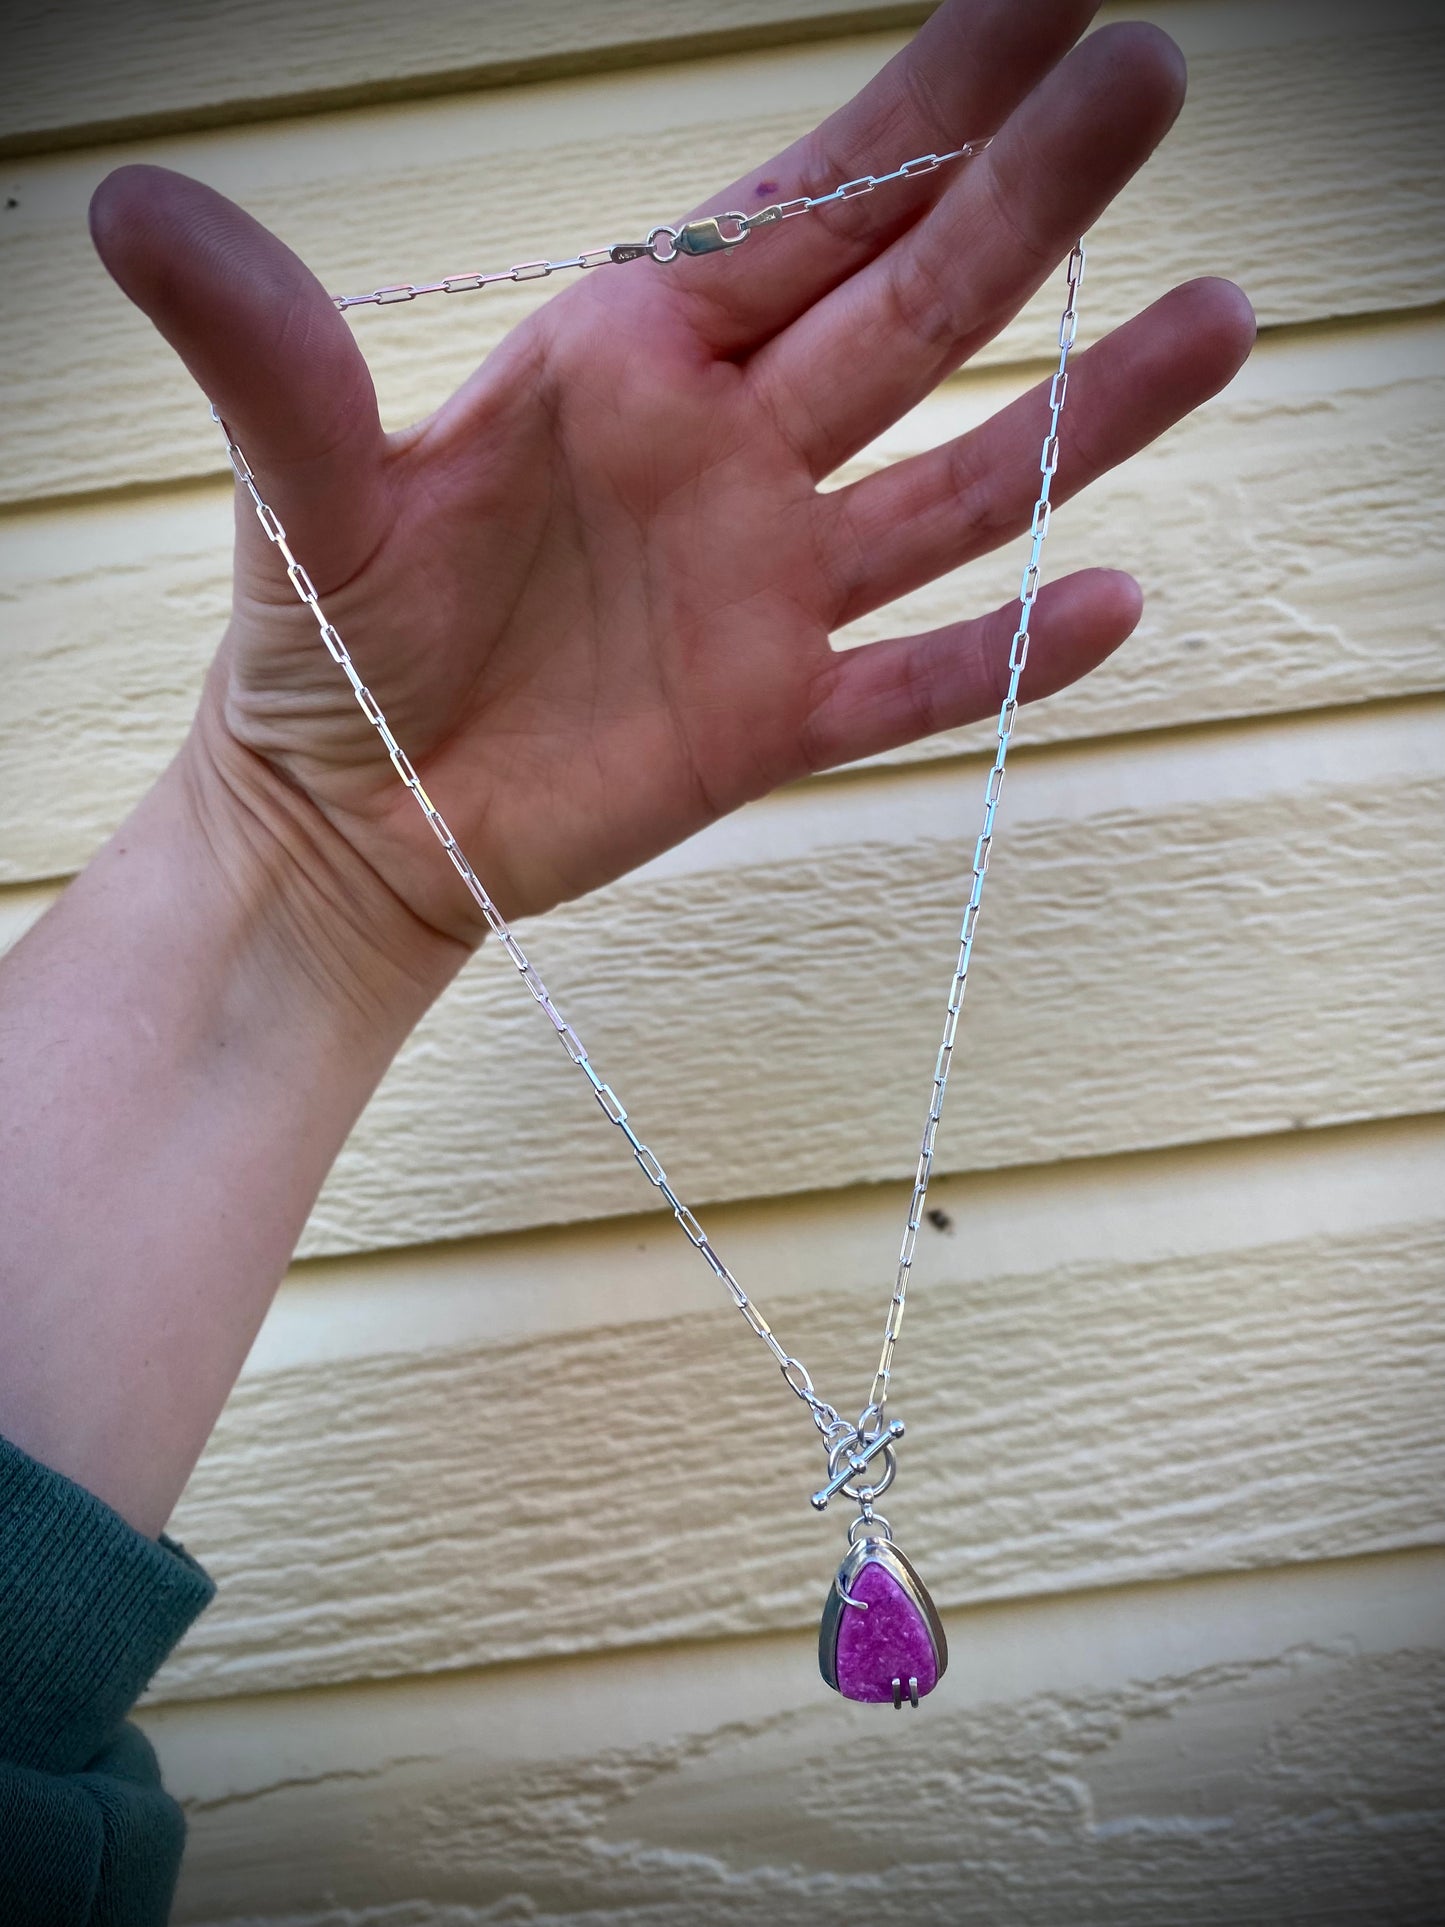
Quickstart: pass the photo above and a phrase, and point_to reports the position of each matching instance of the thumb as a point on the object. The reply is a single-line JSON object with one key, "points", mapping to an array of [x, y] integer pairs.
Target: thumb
{"points": [[259, 333]]}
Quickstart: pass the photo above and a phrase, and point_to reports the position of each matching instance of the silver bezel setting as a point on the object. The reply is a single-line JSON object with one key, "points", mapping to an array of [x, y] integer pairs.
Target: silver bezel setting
{"points": [[875, 1552]]}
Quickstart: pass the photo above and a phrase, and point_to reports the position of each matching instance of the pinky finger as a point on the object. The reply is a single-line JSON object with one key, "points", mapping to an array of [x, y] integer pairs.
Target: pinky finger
{"points": [[886, 694]]}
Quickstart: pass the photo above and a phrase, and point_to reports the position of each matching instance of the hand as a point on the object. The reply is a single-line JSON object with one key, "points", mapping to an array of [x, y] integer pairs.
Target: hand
{"points": [[594, 591]]}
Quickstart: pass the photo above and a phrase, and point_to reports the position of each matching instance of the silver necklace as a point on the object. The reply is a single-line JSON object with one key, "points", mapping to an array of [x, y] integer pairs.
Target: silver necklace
{"points": [[880, 1637]]}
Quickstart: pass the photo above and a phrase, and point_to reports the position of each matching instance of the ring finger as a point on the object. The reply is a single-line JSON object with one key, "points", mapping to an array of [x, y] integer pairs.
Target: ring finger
{"points": [[906, 525]]}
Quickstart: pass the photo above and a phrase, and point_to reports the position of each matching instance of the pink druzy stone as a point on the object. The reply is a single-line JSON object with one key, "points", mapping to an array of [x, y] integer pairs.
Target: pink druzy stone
{"points": [[890, 1641]]}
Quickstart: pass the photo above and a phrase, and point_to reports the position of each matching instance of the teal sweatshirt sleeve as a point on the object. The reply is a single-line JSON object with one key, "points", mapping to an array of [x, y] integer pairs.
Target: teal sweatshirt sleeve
{"points": [[89, 1608]]}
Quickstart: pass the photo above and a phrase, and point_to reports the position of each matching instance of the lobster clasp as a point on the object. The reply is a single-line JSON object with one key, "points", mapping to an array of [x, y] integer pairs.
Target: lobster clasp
{"points": [[712, 234]]}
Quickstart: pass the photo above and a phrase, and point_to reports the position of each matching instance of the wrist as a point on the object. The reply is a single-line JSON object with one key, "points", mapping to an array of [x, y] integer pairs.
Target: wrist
{"points": [[188, 1037], [319, 925]]}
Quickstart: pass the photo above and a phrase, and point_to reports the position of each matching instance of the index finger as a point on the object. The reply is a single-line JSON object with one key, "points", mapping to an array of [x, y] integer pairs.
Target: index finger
{"points": [[957, 80]]}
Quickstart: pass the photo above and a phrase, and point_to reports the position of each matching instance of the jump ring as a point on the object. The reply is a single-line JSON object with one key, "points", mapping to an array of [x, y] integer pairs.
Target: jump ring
{"points": [[876, 1528]]}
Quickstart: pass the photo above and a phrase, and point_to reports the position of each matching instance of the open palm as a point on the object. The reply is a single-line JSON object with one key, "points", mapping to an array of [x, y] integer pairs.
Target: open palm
{"points": [[594, 592]]}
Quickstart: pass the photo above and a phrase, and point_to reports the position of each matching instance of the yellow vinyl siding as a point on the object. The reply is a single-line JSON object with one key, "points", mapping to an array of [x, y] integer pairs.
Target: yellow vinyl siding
{"points": [[518, 1577]]}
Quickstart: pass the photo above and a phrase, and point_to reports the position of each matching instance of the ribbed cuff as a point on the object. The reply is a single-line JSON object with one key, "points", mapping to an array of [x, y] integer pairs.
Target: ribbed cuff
{"points": [[89, 1608]]}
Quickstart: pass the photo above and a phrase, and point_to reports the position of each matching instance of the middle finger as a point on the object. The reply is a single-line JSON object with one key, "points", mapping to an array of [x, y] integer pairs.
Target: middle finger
{"points": [[874, 347]]}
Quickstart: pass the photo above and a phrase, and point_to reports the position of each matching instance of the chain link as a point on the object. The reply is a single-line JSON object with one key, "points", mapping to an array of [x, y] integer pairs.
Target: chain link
{"points": [[664, 244], [872, 1416]]}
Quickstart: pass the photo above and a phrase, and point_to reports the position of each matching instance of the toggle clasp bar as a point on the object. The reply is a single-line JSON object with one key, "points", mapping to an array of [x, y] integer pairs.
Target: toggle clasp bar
{"points": [[858, 1461]]}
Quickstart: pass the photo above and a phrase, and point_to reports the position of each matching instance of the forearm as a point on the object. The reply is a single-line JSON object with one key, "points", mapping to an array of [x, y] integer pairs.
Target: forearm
{"points": [[185, 1041]]}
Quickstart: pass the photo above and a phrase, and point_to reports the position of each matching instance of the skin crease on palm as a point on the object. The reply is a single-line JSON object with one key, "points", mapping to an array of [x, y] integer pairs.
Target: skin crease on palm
{"points": [[594, 591]]}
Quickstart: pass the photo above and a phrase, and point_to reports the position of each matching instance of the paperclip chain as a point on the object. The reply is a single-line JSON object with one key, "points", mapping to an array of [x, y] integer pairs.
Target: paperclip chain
{"points": [[663, 245], [1018, 656], [825, 1417]]}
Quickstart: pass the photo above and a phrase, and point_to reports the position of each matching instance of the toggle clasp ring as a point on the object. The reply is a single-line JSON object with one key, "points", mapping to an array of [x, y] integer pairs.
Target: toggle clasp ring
{"points": [[852, 1456]]}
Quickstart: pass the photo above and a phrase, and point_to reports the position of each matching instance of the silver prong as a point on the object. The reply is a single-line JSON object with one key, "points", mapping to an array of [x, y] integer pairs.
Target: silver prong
{"points": [[898, 1694], [859, 1605], [913, 1692]]}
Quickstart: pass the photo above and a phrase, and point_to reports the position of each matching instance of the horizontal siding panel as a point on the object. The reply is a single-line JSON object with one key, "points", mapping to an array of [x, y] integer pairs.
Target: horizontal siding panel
{"points": [[1263, 1747], [1284, 538], [1171, 953], [1324, 196], [92, 70], [1143, 1208], [1086, 1406]]}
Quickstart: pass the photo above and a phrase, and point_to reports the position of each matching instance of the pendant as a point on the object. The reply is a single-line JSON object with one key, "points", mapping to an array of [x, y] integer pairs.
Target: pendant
{"points": [[881, 1637]]}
